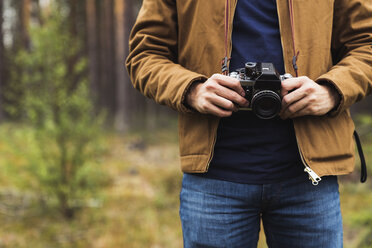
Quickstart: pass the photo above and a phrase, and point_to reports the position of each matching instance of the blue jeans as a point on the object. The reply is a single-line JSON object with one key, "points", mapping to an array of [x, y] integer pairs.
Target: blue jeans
{"points": [[216, 213]]}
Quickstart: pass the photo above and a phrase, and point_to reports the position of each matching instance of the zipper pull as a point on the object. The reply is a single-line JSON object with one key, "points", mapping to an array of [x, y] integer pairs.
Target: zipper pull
{"points": [[315, 179]]}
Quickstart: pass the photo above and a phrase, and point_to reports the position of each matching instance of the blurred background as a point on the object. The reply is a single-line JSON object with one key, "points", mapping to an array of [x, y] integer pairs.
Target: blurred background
{"points": [[85, 160]]}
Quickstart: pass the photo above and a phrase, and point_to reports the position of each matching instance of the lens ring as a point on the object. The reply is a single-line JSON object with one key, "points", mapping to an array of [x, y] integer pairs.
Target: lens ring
{"points": [[266, 104]]}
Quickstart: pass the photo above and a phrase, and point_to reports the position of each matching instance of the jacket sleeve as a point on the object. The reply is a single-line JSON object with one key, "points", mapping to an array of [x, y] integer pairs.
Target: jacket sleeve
{"points": [[352, 52], [153, 51]]}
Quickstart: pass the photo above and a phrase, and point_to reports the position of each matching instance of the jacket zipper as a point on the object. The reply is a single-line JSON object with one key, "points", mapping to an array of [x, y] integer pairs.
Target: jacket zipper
{"points": [[315, 179], [230, 48], [212, 151]]}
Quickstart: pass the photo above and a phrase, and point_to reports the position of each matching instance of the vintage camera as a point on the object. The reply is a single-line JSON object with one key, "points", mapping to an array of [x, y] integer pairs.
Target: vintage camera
{"points": [[261, 83]]}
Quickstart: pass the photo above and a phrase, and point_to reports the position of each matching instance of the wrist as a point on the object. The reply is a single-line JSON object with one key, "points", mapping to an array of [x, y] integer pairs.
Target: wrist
{"points": [[191, 93], [333, 93]]}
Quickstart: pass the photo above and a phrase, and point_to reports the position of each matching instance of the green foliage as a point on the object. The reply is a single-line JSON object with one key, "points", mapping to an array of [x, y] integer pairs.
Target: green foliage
{"points": [[364, 126], [140, 207], [363, 218], [56, 102]]}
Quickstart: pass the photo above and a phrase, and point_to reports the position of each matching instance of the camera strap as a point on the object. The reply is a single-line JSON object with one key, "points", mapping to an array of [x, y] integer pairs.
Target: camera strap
{"points": [[226, 59], [363, 176], [363, 165], [295, 54], [225, 71]]}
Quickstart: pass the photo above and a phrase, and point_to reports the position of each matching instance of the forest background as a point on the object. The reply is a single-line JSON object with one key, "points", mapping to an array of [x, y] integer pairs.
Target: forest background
{"points": [[85, 160]]}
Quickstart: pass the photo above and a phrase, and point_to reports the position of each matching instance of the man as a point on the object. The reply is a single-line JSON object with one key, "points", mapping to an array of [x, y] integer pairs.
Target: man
{"points": [[239, 168]]}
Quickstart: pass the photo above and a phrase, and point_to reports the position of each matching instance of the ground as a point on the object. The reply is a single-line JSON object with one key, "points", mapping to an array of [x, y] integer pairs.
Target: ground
{"points": [[138, 207]]}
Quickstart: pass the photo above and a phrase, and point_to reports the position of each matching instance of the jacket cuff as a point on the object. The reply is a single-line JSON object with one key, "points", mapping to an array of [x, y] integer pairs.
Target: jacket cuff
{"points": [[184, 107], [338, 108]]}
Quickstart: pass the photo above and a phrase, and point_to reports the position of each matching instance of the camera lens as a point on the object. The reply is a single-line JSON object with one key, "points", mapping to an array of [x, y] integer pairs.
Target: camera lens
{"points": [[266, 104]]}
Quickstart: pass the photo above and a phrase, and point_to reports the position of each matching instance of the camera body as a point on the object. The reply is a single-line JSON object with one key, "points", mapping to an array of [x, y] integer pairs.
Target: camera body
{"points": [[262, 84]]}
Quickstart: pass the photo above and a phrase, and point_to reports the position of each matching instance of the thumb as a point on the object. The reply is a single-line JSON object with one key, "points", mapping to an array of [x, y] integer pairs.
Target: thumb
{"points": [[290, 85]]}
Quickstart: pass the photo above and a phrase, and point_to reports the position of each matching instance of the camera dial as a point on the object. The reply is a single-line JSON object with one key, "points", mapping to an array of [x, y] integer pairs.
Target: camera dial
{"points": [[251, 70]]}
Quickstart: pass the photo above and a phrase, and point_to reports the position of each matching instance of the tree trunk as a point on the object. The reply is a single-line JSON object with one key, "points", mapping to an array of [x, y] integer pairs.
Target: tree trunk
{"points": [[21, 41], [107, 57], [72, 77], [2, 64], [123, 88], [37, 12], [73, 18], [91, 15], [24, 23], [137, 105]]}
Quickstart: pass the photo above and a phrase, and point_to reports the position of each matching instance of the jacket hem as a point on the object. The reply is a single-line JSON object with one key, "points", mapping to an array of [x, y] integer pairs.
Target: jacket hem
{"points": [[194, 163]]}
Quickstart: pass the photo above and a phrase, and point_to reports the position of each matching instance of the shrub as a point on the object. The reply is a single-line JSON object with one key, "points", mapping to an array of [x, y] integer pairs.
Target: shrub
{"points": [[56, 103]]}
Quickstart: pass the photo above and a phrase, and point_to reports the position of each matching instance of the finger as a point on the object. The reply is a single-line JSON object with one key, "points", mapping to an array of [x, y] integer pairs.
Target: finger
{"points": [[229, 82], [223, 103], [214, 110], [302, 112], [231, 96], [295, 109], [291, 84], [293, 97]]}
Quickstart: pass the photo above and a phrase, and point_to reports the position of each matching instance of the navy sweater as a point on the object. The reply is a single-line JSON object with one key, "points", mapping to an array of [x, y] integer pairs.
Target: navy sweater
{"points": [[249, 149]]}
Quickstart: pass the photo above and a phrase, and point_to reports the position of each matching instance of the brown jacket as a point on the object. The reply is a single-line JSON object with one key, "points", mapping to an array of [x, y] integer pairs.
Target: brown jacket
{"points": [[176, 42]]}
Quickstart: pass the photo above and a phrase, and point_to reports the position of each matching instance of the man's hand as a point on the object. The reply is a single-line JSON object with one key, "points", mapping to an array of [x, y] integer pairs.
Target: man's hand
{"points": [[302, 96], [218, 96]]}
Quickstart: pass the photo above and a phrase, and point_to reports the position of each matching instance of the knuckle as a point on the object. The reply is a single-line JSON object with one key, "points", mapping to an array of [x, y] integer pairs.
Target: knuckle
{"points": [[243, 102], [313, 109], [304, 78], [204, 105], [208, 97], [210, 86], [312, 98], [235, 83], [285, 100], [239, 97], [235, 97], [230, 105], [286, 82], [215, 75], [309, 89], [291, 109], [226, 114]]}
